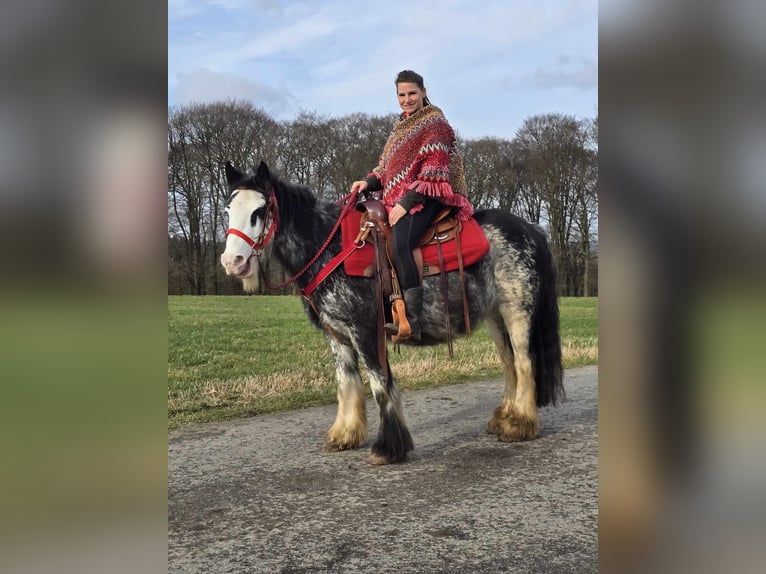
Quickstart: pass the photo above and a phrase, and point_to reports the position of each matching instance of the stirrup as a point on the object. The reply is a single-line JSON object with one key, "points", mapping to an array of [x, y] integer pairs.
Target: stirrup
{"points": [[400, 322]]}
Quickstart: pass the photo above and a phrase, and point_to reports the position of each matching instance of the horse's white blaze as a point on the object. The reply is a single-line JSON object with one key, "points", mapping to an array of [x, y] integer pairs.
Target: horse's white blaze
{"points": [[238, 259]]}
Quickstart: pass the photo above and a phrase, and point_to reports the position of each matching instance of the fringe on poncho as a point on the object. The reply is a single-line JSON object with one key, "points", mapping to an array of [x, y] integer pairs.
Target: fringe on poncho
{"points": [[421, 153]]}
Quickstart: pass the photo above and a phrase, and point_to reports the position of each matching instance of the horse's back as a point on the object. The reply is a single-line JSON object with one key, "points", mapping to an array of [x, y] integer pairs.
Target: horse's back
{"points": [[503, 229]]}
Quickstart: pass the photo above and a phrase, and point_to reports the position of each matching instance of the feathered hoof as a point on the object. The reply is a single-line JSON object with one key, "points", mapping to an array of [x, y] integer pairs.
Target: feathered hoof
{"points": [[391, 451], [511, 427], [377, 460], [348, 440], [494, 426], [330, 446]]}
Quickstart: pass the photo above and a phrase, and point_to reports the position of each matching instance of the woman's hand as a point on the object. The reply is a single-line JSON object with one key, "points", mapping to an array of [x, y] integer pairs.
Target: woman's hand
{"points": [[397, 212], [359, 186]]}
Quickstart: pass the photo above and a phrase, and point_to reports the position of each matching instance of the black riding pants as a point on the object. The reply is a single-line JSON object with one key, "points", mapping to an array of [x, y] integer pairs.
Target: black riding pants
{"points": [[406, 234]]}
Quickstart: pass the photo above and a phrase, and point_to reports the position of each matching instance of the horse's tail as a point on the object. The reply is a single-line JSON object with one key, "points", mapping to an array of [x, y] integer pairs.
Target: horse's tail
{"points": [[544, 338]]}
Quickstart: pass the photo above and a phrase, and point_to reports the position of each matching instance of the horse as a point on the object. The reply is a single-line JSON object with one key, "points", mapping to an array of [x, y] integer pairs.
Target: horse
{"points": [[512, 289]]}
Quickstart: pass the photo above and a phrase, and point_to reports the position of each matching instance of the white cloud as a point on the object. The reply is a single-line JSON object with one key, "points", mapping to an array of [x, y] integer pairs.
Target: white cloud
{"points": [[203, 85], [579, 73], [296, 35]]}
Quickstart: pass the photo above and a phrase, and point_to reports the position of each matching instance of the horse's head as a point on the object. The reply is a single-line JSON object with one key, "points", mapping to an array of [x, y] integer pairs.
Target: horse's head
{"points": [[252, 221]]}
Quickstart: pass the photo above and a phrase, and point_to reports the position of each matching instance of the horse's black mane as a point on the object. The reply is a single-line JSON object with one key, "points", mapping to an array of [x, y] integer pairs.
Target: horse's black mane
{"points": [[296, 201], [296, 197]]}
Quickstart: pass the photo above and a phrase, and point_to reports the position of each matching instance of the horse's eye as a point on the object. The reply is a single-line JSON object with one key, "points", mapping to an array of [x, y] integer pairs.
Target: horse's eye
{"points": [[256, 214]]}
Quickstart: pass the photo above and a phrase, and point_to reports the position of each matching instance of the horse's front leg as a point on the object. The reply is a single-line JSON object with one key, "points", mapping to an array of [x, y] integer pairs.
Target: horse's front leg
{"points": [[394, 440], [350, 427]]}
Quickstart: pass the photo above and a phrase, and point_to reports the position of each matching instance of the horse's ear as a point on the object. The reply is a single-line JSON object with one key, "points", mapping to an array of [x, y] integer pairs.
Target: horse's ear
{"points": [[263, 177], [232, 175]]}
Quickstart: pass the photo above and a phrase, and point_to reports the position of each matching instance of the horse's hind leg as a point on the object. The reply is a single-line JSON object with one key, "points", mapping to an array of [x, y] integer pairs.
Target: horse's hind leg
{"points": [[350, 427], [516, 419], [394, 440]]}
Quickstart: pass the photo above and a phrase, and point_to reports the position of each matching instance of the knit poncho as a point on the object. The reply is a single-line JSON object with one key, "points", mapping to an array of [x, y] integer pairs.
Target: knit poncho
{"points": [[421, 153]]}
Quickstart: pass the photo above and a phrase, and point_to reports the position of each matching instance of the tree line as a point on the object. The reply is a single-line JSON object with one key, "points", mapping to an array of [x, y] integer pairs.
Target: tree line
{"points": [[546, 174]]}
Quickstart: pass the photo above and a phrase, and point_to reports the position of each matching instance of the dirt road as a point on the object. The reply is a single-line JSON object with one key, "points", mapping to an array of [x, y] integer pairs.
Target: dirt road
{"points": [[257, 495]]}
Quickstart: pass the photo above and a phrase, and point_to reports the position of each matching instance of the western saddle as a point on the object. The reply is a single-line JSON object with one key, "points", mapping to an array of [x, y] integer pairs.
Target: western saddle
{"points": [[444, 228]]}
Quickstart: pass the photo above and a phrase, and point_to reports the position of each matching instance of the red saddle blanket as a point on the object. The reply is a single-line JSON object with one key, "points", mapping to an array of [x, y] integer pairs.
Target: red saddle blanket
{"points": [[361, 263]]}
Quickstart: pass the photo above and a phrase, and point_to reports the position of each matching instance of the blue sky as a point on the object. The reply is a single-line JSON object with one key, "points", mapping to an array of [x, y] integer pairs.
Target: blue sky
{"points": [[488, 64]]}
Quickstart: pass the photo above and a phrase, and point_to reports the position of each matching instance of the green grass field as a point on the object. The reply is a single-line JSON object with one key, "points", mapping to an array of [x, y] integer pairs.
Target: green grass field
{"points": [[237, 356]]}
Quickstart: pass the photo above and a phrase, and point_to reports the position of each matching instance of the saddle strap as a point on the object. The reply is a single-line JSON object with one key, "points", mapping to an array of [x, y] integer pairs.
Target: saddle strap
{"points": [[462, 282], [445, 292], [381, 314]]}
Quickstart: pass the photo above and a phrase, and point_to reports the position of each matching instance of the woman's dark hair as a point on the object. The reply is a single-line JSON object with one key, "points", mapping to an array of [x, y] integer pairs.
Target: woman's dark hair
{"points": [[408, 76]]}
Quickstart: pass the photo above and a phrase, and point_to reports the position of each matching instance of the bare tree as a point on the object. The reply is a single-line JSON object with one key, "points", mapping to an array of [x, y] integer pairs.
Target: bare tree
{"points": [[489, 172], [356, 143], [587, 201], [555, 165], [306, 151], [186, 198]]}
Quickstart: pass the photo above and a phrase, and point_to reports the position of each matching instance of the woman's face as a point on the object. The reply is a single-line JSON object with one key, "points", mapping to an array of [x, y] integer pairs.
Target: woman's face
{"points": [[410, 97]]}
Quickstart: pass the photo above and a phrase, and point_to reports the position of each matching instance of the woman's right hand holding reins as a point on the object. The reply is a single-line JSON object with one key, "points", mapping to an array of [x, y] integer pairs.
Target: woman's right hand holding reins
{"points": [[359, 186]]}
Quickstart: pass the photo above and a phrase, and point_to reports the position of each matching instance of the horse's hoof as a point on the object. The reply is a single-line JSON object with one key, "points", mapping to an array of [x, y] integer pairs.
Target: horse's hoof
{"points": [[331, 447], [345, 438], [377, 460], [518, 430], [495, 423]]}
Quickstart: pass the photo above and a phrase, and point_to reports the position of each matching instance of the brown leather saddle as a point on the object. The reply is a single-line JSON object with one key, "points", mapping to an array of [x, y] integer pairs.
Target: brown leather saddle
{"points": [[445, 227]]}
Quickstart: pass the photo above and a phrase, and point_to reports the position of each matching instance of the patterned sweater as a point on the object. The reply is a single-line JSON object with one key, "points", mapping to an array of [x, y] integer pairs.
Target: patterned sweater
{"points": [[421, 155]]}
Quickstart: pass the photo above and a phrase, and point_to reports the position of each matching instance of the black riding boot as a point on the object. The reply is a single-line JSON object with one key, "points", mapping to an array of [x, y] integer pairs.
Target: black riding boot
{"points": [[413, 300]]}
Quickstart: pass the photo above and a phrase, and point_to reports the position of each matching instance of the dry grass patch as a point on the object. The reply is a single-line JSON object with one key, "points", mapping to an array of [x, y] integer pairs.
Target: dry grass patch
{"points": [[417, 371], [276, 384], [579, 353]]}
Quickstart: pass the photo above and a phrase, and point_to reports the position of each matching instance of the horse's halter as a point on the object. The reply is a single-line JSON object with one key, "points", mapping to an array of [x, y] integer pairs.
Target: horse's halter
{"points": [[270, 226]]}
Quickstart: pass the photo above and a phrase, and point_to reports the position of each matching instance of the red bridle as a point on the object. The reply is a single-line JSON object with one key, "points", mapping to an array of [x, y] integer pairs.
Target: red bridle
{"points": [[270, 223]]}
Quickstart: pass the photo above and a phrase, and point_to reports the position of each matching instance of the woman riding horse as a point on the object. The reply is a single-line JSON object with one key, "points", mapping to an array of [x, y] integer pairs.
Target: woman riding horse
{"points": [[420, 171]]}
